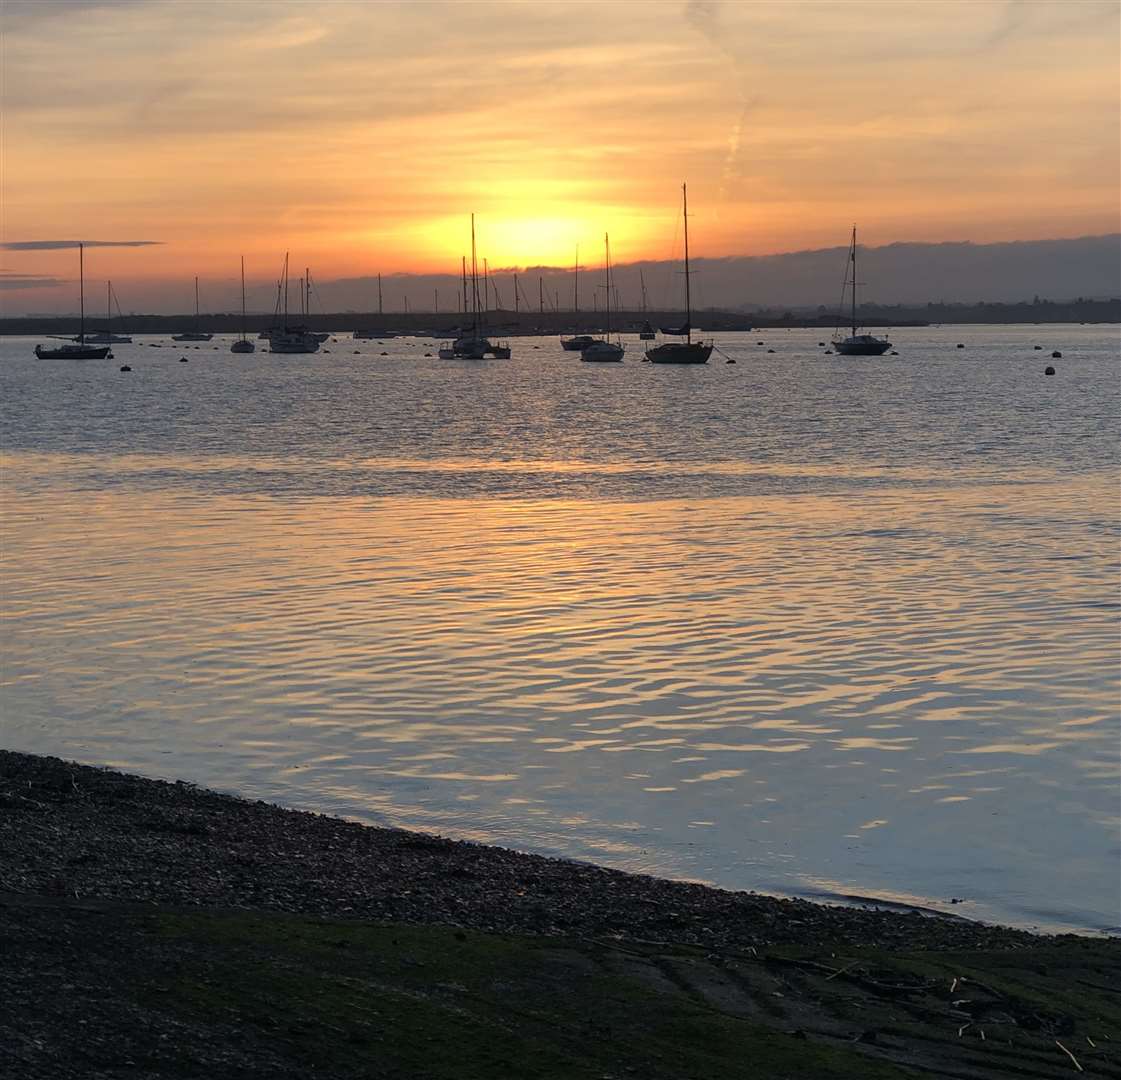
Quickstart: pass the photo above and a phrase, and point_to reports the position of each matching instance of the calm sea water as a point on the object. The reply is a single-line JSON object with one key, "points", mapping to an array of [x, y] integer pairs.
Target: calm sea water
{"points": [[803, 625]]}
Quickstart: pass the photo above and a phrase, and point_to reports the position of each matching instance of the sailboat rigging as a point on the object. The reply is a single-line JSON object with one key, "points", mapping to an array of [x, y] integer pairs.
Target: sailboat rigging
{"points": [[76, 350], [687, 351], [577, 342], [856, 344], [647, 331], [194, 334], [604, 350], [291, 339], [106, 336], [243, 344]]}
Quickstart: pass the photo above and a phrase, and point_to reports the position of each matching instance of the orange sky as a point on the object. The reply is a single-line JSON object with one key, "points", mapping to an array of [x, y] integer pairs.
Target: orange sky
{"points": [[361, 135]]}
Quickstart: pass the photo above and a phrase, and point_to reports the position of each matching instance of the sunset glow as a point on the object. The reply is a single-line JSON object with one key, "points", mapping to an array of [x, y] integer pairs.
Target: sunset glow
{"points": [[362, 136]]}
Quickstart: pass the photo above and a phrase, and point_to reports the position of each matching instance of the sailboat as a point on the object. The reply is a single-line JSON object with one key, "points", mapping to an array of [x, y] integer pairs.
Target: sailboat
{"points": [[106, 336], [291, 339], [647, 331], [378, 335], [76, 350], [194, 334], [474, 345], [687, 351], [243, 344], [856, 344], [604, 351], [577, 342]]}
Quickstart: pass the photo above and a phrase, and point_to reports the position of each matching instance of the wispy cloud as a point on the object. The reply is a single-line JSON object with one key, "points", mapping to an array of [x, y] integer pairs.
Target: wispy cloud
{"points": [[62, 245], [10, 279]]}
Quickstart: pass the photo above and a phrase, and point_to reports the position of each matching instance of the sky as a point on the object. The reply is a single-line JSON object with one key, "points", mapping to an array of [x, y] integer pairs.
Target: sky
{"points": [[361, 136]]}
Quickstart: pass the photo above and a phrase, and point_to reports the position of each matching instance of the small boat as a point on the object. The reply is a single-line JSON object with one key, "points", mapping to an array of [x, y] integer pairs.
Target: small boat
{"points": [[856, 344], [473, 345], [578, 342], [106, 336], [604, 351], [286, 338], [196, 334], [76, 350], [376, 335], [243, 344], [687, 351]]}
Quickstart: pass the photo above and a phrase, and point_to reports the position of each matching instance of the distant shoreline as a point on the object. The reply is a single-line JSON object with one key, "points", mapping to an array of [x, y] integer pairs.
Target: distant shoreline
{"points": [[525, 323]]}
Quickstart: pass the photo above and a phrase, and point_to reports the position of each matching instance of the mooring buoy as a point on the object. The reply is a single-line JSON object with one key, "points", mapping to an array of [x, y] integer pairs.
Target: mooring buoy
{"points": [[182, 360], [960, 346], [125, 367], [1056, 355], [1049, 371]]}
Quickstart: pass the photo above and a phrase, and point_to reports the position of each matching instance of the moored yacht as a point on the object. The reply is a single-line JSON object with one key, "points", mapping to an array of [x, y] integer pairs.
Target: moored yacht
{"points": [[604, 351], [194, 334], [857, 344], [687, 351], [76, 350]]}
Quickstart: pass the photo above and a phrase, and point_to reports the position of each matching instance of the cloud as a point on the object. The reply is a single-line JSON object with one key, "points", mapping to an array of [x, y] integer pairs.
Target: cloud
{"points": [[9, 279], [62, 245]]}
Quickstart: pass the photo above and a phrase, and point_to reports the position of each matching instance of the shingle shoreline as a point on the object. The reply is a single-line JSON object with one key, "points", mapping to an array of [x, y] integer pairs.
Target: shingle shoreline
{"points": [[81, 833]]}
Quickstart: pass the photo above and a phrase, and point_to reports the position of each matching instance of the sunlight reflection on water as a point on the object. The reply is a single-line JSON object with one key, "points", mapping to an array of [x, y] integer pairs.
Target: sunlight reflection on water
{"points": [[794, 626]]}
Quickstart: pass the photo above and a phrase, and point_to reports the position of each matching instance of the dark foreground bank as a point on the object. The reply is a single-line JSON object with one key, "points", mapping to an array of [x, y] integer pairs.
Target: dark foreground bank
{"points": [[156, 929]]}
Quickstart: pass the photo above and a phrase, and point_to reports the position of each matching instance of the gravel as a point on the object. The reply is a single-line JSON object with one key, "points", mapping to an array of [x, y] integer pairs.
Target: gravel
{"points": [[87, 834]]}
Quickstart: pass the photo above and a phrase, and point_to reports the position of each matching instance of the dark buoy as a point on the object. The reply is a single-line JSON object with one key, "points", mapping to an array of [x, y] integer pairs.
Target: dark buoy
{"points": [[385, 354], [1056, 355], [1049, 371], [182, 360], [770, 350], [355, 352], [125, 367], [760, 343], [821, 344], [828, 352], [894, 353], [1038, 348], [729, 361], [960, 346], [110, 355]]}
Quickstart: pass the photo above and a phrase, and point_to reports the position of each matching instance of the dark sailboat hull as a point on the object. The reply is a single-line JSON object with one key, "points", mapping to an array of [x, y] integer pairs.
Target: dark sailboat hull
{"points": [[679, 352], [861, 348], [73, 352]]}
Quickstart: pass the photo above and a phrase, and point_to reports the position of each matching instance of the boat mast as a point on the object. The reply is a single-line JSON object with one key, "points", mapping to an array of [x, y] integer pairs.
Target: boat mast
{"points": [[196, 303], [82, 294], [463, 271], [474, 284], [854, 281], [541, 294], [575, 285], [286, 291], [688, 298], [108, 309], [642, 282], [607, 281], [515, 294], [307, 293], [243, 298], [379, 294]]}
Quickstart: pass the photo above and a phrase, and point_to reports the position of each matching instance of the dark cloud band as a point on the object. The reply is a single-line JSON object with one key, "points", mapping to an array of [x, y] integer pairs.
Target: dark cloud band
{"points": [[61, 245]]}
